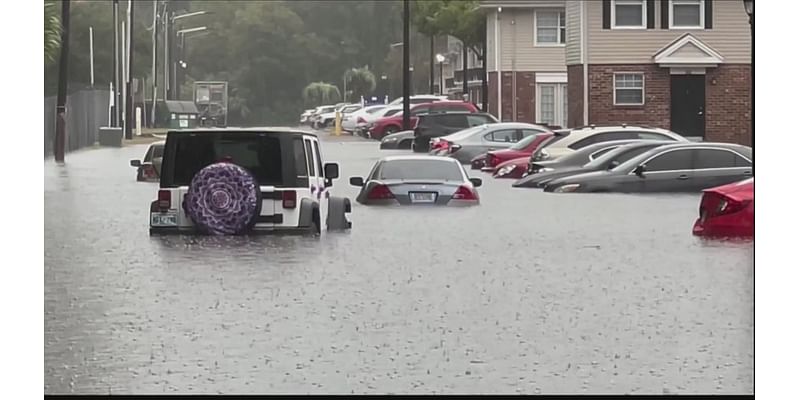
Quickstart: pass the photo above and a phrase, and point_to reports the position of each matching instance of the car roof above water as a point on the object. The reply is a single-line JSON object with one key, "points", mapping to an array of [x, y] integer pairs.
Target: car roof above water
{"points": [[275, 130]]}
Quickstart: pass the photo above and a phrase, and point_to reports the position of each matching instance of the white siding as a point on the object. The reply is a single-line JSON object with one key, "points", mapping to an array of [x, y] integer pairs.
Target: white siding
{"points": [[730, 36], [517, 48], [573, 48], [490, 45]]}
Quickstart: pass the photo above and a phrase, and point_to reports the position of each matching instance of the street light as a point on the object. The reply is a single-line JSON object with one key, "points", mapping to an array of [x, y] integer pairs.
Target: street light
{"points": [[440, 58], [182, 56]]}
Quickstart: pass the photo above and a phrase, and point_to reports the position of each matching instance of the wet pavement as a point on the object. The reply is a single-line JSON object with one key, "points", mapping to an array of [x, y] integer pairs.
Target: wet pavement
{"points": [[530, 292]]}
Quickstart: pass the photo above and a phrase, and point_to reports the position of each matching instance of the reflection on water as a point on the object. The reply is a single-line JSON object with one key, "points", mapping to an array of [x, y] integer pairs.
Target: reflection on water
{"points": [[529, 292]]}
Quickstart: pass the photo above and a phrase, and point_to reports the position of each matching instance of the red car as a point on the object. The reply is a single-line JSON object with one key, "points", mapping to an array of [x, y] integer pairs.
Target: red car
{"points": [[512, 168], [523, 148], [727, 210], [388, 125]]}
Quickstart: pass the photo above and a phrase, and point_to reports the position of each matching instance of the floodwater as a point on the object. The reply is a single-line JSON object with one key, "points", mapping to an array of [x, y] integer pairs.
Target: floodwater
{"points": [[530, 292]]}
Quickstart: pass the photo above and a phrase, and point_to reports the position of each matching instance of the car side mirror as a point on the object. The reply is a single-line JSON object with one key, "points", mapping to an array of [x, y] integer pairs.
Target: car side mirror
{"points": [[331, 170], [613, 164], [357, 181], [136, 163], [640, 170], [477, 182]]}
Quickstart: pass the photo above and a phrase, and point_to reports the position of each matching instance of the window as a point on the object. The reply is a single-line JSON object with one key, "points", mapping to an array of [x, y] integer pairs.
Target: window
{"points": [[419, 110], [475, 120], [550, 28], [686, 14], [628, 13], [300, 163], [671, 161], [628, 89], [310, 158], [551, 104], [319, 160], [712, 158], [419, 169], [506, 136], [602, 137], [601, 152], [389, 113], [653, 136]]}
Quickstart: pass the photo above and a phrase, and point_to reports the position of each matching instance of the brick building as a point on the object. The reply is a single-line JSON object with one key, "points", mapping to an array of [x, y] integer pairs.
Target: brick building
{"points": [[683, 65]]}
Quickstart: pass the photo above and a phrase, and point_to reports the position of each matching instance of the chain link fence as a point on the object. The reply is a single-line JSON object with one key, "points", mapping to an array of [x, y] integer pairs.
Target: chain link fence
{"points": [[87, 111]]}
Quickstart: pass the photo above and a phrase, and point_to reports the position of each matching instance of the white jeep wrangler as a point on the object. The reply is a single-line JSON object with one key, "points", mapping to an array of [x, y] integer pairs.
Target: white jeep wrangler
{"points": [[233, 181]]}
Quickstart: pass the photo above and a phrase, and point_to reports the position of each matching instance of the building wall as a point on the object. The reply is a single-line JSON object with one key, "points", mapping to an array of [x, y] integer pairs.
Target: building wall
{"points": [[575, 95], [730, 36], [492, 86], [729, 104], [728, 101], [573, 19], [517, 50]]}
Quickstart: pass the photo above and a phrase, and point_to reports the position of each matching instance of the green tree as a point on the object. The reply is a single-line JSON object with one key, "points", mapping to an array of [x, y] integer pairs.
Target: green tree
{"points": [[52, 32], [360, 82], [320, 93]]}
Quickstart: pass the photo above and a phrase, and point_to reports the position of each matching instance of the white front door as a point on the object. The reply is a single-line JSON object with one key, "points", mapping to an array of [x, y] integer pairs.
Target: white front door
{"points": [[551, 103]]}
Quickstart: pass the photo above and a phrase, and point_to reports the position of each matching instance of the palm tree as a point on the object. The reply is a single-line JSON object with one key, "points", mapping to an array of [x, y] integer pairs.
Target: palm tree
{"points": [[52, 32], [320, 93], [360, 81]]}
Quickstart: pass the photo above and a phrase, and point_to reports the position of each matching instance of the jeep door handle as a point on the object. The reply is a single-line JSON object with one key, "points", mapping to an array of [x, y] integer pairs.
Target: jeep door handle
{"points": [[683, 177]]}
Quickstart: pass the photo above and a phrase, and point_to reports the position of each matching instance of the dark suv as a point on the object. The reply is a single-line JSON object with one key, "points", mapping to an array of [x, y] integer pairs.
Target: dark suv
{"points": [[430, 126]]}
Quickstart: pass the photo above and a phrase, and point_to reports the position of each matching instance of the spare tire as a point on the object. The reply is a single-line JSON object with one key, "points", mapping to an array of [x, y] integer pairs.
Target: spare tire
{"points": [[223, 199]]}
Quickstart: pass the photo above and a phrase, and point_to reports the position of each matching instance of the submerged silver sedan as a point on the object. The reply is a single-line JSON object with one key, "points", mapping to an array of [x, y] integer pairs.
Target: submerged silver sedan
{"points": [[413, 180]]}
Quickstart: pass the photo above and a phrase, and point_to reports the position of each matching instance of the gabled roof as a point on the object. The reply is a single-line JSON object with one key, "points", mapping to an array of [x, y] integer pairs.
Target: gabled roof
{"points": [[687, 50]]}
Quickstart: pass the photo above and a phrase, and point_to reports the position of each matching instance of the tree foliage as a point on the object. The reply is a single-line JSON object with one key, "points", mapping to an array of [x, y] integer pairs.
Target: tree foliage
{"points": [[360, 82], [52, 32], [320, 93], [462, 19]]}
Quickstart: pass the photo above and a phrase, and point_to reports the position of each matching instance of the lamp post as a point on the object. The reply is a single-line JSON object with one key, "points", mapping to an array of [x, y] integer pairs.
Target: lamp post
{"points": [[171, 66], [406, 67], [440, 59], [749, 8], [182, 57]]}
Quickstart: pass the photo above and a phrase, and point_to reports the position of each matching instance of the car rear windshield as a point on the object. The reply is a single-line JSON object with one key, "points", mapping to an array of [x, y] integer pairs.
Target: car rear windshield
{"points": [[524, 142], [419, 169], [189, 153]]}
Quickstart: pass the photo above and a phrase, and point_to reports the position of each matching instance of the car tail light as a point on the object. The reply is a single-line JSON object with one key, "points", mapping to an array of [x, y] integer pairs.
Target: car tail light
{"points": [[164, 199], [361, 120], [380, 192], [464, 193], [730, 206], [289, 198]]}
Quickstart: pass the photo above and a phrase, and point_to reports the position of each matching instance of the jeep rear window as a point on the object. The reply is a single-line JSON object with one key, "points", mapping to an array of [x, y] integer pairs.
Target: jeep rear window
{"points": [[259, 154]]}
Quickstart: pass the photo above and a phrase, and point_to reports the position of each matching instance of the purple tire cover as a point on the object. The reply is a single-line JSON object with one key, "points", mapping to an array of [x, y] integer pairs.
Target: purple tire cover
{"points": [[223, 199]]}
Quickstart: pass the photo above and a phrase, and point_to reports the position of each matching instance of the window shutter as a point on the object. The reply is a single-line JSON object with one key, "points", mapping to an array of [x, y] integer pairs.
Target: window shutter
{"points": [[664, 14], [651, 14], [709, 13], [606, 14]]}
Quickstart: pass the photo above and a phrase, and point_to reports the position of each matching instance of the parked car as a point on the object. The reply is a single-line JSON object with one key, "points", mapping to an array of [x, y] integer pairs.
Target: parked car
{"points": [[304, 117], [354, 119], [389, 125], [431, 126], [727, 210], [149, 168], [398, 141], [417, 99], [411, 180], [327, 117], [681, 167], [497, 136], [362, 129], [523, 148], [575, 139], [603, 156], [511, 168], [323, 115], [247, 180]]}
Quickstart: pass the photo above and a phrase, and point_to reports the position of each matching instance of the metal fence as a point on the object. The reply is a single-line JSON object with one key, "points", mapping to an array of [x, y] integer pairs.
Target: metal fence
{"points": [[87, 111]]}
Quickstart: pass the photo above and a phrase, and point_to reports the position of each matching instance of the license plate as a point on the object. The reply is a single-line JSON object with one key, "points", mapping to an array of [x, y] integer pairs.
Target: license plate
{"points": [[163, 220], [422, 197]]}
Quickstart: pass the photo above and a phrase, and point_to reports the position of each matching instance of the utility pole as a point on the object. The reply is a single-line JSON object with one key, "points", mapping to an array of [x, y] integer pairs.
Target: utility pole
{"points": [[430, 87], [155, 62], [91, 57], [167, 81], [406, 69], [115, 119], [465, 83], [484, 73], [129, 84], [61, 106]]}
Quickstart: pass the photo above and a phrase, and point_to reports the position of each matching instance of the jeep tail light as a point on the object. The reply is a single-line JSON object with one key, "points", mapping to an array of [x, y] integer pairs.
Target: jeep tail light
{"points": [[465, 193], [380, 192], [289, 198], [164, 200]]}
